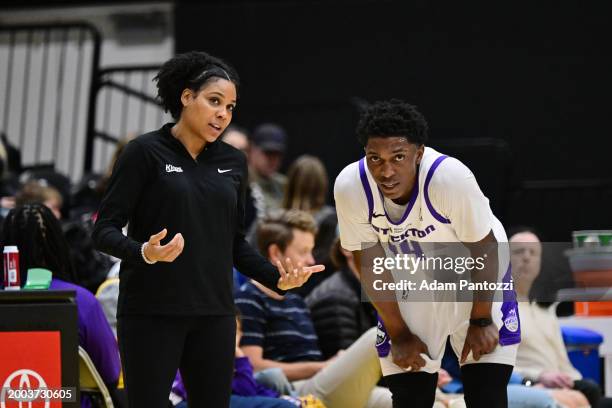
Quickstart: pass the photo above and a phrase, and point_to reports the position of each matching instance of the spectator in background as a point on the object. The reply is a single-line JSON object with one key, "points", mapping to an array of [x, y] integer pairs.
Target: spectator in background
{"points": [[47, 176], [6, 187], [238, 137], [338, 312], [542, 357], [268, 145], [278, 330], [91, 266], [11, 157], [38, 235], [35, 191], [10, 167], [307, 188], [89, 192]]}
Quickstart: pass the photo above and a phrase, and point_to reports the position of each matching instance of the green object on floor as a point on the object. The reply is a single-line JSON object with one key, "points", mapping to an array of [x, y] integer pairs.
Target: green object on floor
{"points": [[38, 279]]}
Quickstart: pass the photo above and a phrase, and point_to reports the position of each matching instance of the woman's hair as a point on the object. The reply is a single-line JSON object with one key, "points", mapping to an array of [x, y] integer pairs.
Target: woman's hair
{"points": [[307, 185], [392, 118], [38, 235], [191, 70]]}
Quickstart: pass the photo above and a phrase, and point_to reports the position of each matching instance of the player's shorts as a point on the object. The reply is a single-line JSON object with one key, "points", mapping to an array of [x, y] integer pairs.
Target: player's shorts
{"points": [[434, 322]]}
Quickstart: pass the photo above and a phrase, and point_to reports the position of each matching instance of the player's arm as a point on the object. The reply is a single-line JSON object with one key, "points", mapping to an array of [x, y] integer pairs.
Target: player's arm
{"points": [[406, 347], [482, 339], [486, 251], [293, 371], [456, 194], [356, 233]]}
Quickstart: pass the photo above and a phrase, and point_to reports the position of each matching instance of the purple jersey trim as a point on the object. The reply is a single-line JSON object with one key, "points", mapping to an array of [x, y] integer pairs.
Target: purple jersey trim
{"points": [[413, 197], [430, 173], [366, 188]]}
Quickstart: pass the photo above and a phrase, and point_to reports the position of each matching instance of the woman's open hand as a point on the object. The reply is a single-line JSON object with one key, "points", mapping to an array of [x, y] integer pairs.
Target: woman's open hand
{"points": [[294, 277], [154, 251]]}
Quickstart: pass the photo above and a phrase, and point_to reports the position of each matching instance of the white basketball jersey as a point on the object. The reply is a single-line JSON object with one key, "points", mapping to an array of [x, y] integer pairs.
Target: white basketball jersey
{"points": [[422, 224]]}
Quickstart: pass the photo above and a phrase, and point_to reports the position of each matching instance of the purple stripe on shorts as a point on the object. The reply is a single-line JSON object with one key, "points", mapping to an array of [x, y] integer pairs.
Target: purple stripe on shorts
{"points": [[510, 332], [366, 188], [430, 173], [383, 344]]}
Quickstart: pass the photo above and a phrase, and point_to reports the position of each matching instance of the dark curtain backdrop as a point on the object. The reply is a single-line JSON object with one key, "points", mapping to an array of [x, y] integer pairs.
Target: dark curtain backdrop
{"points": [[533, 75]]}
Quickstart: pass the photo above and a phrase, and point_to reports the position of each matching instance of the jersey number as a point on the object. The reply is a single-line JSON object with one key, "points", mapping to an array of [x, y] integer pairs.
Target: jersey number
{"points": [[406, 247]]}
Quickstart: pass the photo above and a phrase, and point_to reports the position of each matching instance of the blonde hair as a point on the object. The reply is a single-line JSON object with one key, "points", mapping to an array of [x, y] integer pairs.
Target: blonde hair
{"points": [[278, 228], [307, 184], [36, 192]]}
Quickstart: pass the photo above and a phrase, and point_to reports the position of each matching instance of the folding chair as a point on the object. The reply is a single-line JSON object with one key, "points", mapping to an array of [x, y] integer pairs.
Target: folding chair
{"points": [[90, 381]]}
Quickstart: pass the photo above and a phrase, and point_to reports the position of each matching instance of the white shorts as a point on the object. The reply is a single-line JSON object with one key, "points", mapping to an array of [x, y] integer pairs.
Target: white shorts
{"points": [[434, 322]]}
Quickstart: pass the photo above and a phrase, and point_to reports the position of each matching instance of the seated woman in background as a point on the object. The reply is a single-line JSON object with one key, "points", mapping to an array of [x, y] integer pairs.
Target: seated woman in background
{"points": [[37, 233], [307, 190]]}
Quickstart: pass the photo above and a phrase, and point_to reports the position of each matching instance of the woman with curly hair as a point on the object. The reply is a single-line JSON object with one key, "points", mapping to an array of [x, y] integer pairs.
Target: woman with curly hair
{"points": [[181, 193]]}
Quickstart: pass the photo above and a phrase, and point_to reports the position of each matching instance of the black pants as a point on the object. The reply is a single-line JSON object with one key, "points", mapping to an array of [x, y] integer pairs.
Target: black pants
{"points": [[154, 347], [484, 385]]}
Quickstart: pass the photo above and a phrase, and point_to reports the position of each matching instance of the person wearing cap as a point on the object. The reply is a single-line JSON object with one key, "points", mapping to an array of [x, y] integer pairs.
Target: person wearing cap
{"points": [[268, 145]]}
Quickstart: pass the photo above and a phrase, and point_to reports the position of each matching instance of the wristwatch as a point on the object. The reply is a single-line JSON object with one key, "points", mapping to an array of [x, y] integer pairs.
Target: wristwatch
{"points": [[482, 322], [527, 383]]}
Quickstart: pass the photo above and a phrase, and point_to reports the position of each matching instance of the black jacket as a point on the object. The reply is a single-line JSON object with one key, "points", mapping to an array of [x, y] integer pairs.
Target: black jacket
{"points": [[338, 314], [156, 184]]}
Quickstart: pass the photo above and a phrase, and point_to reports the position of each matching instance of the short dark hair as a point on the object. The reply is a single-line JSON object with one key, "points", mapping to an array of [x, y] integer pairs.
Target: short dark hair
{"points": [[190, 70], [392, 118], [277, 228], [38, 234], [337, 257]]}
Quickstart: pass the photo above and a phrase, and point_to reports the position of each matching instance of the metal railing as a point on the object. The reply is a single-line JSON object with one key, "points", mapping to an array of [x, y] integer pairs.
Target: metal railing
{"points": [[46, 80], [123, 105]]}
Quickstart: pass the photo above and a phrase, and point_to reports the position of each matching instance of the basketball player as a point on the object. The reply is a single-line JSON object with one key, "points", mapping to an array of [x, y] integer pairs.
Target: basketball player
{"points": [[403, 195]]}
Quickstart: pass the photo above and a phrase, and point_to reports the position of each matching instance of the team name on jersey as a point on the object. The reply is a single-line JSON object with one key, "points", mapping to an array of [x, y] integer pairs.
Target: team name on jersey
{"points": [[173, 169], [399, 234]]}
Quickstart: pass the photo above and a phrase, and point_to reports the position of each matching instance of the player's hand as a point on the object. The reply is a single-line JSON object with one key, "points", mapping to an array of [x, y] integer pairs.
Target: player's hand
{"points": [[406, 350], [480, 341], [154, 251], [294, 276], [553, 379]]}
